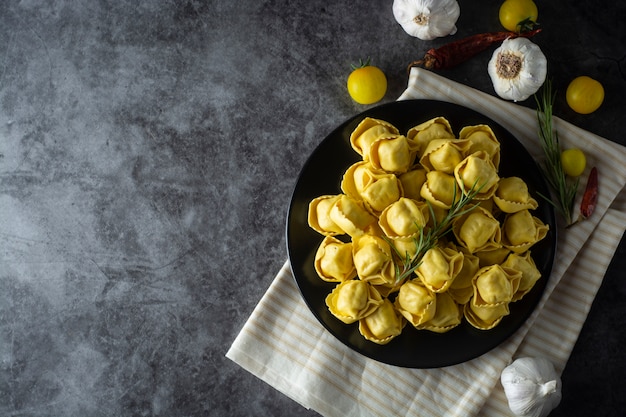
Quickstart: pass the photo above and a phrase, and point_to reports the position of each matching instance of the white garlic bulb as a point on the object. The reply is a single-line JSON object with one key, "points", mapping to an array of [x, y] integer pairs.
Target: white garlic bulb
{"points": [[427, 19], [532, 387], [517, 69]]}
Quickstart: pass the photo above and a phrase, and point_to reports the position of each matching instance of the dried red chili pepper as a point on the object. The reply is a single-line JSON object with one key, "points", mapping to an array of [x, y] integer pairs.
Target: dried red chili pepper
{"points": [[457, 52], [590, 197]]}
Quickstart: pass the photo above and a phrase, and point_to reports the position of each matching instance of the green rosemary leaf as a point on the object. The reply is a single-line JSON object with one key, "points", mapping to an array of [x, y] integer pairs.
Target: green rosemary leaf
{"points": [[552, 168], [429, 237]]}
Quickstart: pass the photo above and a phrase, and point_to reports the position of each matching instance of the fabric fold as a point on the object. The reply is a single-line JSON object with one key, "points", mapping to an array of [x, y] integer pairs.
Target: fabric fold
{"points": [[283, 344]]}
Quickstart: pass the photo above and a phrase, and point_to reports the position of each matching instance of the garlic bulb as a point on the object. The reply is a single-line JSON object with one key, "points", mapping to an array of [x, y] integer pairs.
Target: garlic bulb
{"points": [[427, 19], [517, 69], [532, 387]]}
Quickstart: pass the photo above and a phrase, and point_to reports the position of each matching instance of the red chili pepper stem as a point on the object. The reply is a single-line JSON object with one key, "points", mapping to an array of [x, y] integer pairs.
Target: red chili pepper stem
{"points": [[457, 52]]}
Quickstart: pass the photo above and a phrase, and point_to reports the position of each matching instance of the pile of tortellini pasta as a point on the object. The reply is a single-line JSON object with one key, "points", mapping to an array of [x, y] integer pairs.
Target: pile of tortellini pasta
{"points": [[401, 182]]}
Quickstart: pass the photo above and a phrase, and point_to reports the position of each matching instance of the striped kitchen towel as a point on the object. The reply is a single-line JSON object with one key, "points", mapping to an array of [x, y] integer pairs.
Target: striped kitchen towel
{"points": [[283, 344]]}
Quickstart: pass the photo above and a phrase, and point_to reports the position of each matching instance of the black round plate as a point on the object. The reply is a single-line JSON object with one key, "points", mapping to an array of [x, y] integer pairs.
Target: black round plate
{"points": [[322, 175]]}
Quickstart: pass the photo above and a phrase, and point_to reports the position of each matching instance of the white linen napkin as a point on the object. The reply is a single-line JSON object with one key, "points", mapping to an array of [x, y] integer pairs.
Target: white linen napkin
{"points": [[283, 343]]}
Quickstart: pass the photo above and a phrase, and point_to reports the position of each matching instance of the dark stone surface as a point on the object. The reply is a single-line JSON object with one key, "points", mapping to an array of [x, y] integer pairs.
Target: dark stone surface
{"points": [[147, 155]]}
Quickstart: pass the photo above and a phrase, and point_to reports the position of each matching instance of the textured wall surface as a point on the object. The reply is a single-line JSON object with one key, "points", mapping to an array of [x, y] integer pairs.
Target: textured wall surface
{"points": [[148, 151]]}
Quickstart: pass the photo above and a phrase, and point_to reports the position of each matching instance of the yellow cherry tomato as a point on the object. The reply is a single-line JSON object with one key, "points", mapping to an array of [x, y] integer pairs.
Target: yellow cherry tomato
{"points": [[584, 94], [573, 162], [367, 84], [518, 15]]}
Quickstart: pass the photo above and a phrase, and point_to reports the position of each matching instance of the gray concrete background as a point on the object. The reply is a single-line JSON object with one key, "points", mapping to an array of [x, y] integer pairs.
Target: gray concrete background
{"points": [[148, 151]]}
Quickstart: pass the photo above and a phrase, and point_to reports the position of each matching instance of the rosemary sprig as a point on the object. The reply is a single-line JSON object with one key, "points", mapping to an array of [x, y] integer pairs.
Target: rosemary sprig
{"points": [[552, 168], [429, 236]]}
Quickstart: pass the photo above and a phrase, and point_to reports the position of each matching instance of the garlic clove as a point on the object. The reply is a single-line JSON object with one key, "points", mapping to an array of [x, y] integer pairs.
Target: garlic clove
{"points": [[532, 387], [517, 69], [427, 19]]}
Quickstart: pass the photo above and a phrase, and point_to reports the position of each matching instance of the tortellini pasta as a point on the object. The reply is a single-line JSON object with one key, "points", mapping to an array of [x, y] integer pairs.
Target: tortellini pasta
{"points": [[440, 189], [391, 153], [319, 215], [334, 261], [512, 196], [368, 131], [412, 182], [439, 268], [423, 133], [522, 230], [495, 285], [401, 189], [461, 289], [483, 139], [376, 188], [448, 315], [478, 230], [351, 216], [373, 261], [352, 300], [444, 154], [477, 170], [404, 218], [485, 318], [530, 274], [383, 324], [416, 302]]}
